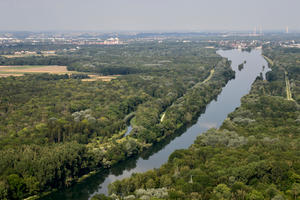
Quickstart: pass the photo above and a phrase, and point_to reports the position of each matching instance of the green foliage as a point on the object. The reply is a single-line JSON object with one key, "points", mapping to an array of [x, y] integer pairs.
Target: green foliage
{"points": [[285, 60], [221, 192], [56, 128], [16, 186], [3, 191], [101, 197], [254, 155]]}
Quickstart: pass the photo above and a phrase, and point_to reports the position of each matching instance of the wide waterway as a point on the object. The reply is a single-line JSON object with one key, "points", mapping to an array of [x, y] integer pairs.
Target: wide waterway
{"points": [[215, 113]]}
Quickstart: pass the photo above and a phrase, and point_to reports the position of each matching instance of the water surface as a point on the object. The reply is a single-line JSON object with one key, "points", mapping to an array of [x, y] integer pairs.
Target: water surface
{"points": [[129, 129]]}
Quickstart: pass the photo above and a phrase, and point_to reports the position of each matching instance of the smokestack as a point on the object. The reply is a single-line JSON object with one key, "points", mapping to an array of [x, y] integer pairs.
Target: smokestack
{"points": [[260, 30]]}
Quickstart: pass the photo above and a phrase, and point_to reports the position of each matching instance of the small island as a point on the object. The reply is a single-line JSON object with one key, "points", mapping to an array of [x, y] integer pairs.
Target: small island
{"points": [[241, 66]]}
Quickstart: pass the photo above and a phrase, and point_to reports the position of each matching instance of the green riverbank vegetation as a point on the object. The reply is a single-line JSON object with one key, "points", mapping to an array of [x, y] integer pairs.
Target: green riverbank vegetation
{"points": [[253, 156], [55, 129]]}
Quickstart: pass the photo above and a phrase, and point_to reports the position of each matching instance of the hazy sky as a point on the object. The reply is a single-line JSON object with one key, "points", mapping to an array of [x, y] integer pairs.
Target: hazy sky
{"points": [[149, 15]]}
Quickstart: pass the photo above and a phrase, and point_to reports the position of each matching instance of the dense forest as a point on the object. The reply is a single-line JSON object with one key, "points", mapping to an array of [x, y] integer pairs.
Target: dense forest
{"points": [[56, 128], [253, 156]]}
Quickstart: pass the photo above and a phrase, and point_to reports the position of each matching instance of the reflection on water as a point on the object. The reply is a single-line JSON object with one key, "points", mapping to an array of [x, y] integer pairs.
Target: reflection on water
{"points": [[129, 129], [214, 115]]}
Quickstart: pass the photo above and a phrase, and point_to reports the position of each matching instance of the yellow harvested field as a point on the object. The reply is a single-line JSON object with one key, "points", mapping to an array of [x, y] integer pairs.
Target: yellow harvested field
{"points": [[7, 75], [26, 55], [102, 78], [19, 70], [18, 56]]}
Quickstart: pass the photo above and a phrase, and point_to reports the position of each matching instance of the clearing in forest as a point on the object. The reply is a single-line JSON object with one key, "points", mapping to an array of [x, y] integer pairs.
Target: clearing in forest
{"points": [[94, 77], [20, 70]]}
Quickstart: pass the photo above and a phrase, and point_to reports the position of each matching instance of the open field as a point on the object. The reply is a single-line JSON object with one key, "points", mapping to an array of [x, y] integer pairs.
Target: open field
{"points": [[6, 75], [51, 69], [26, 55], [6, 71], [102, 78]]}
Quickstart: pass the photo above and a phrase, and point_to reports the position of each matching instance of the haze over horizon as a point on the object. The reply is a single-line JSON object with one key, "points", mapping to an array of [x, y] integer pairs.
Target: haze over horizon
{"points": [[142, 15]]}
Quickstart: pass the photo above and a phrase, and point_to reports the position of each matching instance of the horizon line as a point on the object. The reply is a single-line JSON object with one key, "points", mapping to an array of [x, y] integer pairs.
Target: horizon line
{"points": [[156, 31]]}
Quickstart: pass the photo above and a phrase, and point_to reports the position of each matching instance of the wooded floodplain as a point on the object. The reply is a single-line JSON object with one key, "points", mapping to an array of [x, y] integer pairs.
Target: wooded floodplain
{"points": [[55, 128]]}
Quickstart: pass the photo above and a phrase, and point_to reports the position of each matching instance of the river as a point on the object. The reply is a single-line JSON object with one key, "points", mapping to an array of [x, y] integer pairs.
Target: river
{"points": [[215, 113]]}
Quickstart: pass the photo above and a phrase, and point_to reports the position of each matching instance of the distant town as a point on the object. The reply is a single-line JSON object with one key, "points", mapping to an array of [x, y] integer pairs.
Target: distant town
{"points": [[72, 41]]}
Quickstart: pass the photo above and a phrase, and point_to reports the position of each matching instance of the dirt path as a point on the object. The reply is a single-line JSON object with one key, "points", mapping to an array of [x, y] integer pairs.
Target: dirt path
{"points": [[207, 79], [287, 81], [162, 117], [210, 75], [288, 87], [269, 60]]}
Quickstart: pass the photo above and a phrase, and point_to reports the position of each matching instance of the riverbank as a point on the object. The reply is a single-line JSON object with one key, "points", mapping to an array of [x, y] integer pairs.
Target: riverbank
{"points": [[269, 60]]}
